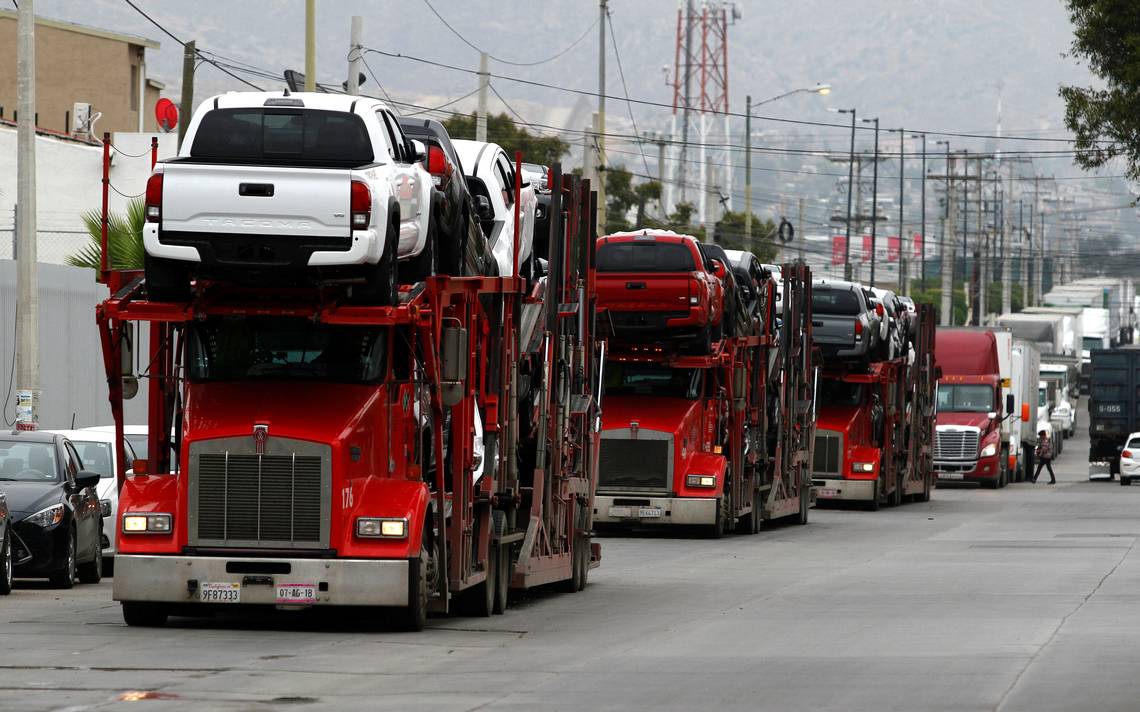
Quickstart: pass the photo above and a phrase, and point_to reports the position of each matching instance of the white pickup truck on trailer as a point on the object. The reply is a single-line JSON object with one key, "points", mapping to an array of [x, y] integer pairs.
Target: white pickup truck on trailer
{"points": [[271, 186]]}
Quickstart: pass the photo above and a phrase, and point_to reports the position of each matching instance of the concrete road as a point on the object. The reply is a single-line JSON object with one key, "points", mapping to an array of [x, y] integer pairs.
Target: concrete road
{"points": [[1026, 598]]}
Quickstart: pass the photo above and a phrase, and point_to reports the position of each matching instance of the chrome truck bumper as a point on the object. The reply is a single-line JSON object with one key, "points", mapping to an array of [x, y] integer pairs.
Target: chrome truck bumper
{"points": [[339, 582], [655, 510], [843, 490]]}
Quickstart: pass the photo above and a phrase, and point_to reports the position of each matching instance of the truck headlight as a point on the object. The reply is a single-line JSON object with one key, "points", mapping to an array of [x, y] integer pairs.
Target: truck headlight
{"points": [[105, 508], [47, 518], [145, 523], [989, 450], [862, 467], [700, 480], [381, 527]]}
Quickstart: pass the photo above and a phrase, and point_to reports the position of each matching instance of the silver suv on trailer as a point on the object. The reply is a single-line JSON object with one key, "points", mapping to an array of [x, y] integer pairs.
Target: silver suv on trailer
{"points": [[845, 324]]}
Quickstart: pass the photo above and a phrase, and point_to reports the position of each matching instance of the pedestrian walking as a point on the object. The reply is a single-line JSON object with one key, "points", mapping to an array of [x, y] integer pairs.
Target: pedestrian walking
{"points": [[1044, 453]]}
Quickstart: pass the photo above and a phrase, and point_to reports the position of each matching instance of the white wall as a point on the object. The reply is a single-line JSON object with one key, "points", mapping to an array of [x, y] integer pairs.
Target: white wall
{"points": [[68, 183]]}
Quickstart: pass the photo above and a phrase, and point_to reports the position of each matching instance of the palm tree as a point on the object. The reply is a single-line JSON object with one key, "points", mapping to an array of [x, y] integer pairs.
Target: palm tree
{"points": [[124, 239]]}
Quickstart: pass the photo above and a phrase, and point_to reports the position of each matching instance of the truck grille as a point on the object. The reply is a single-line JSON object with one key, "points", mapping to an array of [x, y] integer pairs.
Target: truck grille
{"points": [[827, 456], [642, 464], [956, 444], [240, 498]]}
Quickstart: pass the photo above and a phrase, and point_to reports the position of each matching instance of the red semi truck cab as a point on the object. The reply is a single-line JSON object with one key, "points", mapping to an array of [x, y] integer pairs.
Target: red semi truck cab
{"points": [[968, 440]]}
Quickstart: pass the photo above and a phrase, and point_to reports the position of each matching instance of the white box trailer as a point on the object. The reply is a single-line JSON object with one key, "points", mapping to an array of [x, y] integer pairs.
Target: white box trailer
{"points": [[1072, 326], [1045, 330]]}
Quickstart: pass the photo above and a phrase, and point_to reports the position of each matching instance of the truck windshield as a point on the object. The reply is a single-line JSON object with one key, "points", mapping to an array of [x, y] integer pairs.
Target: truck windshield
{"points": [[839, 302], [645, 257], [243, 349], [279, 136], [648, 379], [965, 399], [1092, 343], [839, 393]]}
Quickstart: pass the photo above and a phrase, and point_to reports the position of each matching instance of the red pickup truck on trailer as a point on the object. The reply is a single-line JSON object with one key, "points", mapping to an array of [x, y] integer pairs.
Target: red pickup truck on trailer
{"points": [[329, 454], [718, 441], [875, 428], [660, 287]]}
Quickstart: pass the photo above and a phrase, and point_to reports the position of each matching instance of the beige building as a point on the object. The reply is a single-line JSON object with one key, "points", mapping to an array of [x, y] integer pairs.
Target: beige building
{"points": [[86, 65]]}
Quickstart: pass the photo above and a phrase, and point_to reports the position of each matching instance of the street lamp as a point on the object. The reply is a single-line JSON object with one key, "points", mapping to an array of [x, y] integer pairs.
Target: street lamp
{"points": [[822, 90], [874, 196], [850, 189]]}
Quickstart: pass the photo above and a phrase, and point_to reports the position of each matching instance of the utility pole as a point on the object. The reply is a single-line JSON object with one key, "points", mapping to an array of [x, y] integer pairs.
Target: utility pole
{"points": [[904, 282], [189, 56], [922, 230], [949, 232], [481, 110], [588, 152], [748, 173], [874, 198], [1023, 261], [354, 36], [310, 45], [979, 250], [601, 123], [850, 190], [27, 284], [1006, 245], [802, 234], [1035, 286]]}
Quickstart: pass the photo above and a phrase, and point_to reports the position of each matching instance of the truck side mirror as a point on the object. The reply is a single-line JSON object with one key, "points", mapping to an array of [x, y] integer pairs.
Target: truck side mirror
{"points": [[1009, 405], [483, 208], [453, 365]]}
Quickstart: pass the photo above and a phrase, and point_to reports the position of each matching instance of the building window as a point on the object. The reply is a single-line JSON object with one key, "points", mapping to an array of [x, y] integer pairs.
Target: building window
{"points": [[134, 90]]}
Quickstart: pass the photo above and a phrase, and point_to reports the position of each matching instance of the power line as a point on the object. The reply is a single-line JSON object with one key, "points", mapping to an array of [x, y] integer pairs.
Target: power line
{"points": [[647, 102], [500, 60], [625, 89], [170, 34]]}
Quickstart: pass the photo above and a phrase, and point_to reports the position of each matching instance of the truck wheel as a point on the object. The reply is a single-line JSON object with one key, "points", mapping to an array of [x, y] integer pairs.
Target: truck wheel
{"points": [[924, 496], [716, 529], [424, 265], [413, 617], [503, 580], [873, 505], [166, 280], [752, 522], [137, 614], [805, 503], [574, 583], [585, 577], [380, 284], [894, 499]]}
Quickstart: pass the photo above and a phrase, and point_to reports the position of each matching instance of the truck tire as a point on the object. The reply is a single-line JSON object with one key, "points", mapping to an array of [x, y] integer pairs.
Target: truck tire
{"points": [[574, 583], [585, 577], [805, 503], [752, 522], [424, 265], [138, 614], [381, 287], [716, 529], [924, 496], [873, 505], [166, 280], [894, 499], [413, 617], [503, 581]]}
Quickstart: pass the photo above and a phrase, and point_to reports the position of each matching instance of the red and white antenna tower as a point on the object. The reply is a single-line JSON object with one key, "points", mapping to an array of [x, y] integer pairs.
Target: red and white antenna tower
{"points": [[700, 106]]}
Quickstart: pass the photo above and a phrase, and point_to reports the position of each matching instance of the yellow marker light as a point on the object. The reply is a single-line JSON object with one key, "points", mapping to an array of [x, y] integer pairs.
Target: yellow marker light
{"points": [[701, 481], [380, 528], [147, 523], [394, 528], [862, 467]]}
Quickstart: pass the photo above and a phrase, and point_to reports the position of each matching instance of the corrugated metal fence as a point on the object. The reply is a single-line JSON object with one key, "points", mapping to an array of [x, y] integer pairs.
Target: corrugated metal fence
{"points": [[72, 380]]}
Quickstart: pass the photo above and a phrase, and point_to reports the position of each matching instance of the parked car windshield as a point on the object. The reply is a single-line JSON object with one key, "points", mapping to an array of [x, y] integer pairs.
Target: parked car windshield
{"points": [[645, 257], [647, 379], [280, 136], [839, 393], [243, 349], [837, 302], [27, 462], [965, 398], [96, 457]]}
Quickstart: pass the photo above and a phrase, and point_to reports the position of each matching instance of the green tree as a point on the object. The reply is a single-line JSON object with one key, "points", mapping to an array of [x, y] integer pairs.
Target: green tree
{"points": [[124, 239], [505, 132], [729, 234], [1106, 121]]}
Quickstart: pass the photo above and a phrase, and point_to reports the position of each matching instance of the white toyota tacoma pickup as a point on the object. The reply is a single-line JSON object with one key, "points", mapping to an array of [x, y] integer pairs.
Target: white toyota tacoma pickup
{"points": [[270, 187]]}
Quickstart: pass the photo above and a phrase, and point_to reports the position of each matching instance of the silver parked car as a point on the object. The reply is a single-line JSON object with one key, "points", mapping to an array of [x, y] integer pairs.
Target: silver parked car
{"points": [[845, 322]]}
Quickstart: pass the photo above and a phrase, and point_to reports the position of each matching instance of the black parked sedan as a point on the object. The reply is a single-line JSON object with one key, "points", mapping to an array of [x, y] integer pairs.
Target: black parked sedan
{"points": [[56, 522], [5, 547]]}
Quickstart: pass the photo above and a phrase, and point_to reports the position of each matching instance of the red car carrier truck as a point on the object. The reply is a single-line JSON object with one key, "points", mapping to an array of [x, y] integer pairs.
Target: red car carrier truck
{"points": [[718, 439], [874, 435], [428, 455]]}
